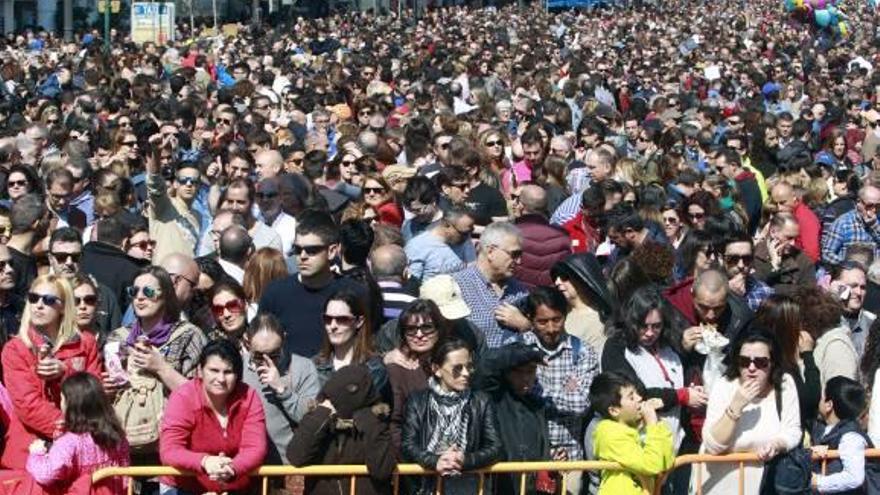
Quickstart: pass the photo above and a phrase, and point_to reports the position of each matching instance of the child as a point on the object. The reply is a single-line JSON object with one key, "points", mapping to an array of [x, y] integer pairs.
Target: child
{"points": [[841, 406], [615, 398], [94, 439]]}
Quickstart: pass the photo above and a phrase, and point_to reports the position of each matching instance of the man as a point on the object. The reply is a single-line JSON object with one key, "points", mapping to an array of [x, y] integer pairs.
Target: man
{"points": [[138, 244], [235, 250], [174, 222], [583, 229], [11, 303], [65, 253], [271, 214], [778, 260], [533, 156], [730, 164], [421, 198], [848, 284], [707, 301], [565, 378], [185, 274], [269, 163], [388, 265], [28, 226], [738, 258], [239, 197], [784, 124], [298, 300], [489, 288], [859, 226], [486, 202], [222, 221], [59, 191], [105, 259], [454, 185], [783, 196], [627, 230], [599, 167], [543, 244], [445, 247], [83, 199]]}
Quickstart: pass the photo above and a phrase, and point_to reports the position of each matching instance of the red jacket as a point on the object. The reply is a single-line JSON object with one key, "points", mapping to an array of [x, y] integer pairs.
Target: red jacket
{"points": [[584, 235], [811, 229], [190, 432], [391, 214], [35, 401], [543, 245]]}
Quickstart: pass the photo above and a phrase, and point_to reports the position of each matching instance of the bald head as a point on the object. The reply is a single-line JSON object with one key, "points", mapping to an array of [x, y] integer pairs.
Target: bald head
{"points": [[184, 273], [268, 163], [710, 296], [533, 199], [235, 245], [388, 262]]}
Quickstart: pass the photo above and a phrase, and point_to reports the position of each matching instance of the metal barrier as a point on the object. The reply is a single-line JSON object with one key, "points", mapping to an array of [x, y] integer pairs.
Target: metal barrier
{"points": [[355, 471], [523, 468]]}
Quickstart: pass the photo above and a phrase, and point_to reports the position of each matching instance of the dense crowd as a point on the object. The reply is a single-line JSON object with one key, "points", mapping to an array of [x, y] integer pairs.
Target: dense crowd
{"points": [[451, 239]]}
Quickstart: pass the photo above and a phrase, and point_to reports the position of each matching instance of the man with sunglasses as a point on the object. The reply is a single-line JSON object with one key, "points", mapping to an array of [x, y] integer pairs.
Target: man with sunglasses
{"points": [[444, 248], [11, 304], [859, 226], [175, 223], [738, 258], [271, 213]]}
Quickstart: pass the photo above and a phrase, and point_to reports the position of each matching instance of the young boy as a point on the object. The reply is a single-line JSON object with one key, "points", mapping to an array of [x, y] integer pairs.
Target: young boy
{"points": [[616, 438], [841, 406]]}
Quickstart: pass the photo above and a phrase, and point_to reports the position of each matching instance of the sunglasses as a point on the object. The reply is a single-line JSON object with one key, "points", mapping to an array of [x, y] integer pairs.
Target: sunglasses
{"points": [[670, 220], [347, 163], [267, 195], [762, 363], [89, 300], [224, 121], [129, 143], [259, 358], [4, 264], [491, 144], [187, 181], [374, 190], [147, 291], [459, 369], [48, 299], [67, 257], [426, 329], [734, 259], [343, 320], [145, 245], [309, 250], [234, 306], [17, 183], [697, 216]]}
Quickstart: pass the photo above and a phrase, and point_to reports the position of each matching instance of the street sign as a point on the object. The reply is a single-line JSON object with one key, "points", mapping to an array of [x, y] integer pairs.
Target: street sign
{"points": [[115, 6], [152, 22]]}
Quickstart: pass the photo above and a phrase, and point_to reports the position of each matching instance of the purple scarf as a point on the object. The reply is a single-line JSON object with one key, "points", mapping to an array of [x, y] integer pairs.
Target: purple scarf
{"points": [[157, 337]]}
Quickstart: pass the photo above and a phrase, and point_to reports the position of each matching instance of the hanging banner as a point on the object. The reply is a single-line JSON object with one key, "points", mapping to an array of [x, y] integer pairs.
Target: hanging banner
{"points": [[152, 22]]}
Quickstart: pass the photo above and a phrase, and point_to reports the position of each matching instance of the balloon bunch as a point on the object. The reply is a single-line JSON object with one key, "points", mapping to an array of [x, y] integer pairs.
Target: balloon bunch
{"points": [[824, 13]]}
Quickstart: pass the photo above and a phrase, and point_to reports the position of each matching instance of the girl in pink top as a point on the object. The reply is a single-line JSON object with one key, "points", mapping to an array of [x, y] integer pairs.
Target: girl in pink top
{"points": [[94, 439]]}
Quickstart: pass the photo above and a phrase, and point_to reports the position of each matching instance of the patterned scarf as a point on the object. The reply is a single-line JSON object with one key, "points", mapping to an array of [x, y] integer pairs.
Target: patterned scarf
{"points": [[452, 423], [157, 337]]}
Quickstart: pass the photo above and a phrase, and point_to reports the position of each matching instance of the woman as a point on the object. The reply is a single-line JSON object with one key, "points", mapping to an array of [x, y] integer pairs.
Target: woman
{"points": [[673, 227], [160, 352], [698, 252], [782, 315], [492, 146], [643, 348], [448, 427], [264, 267], [697, 207], [821, 317], [229, 309], [214, 426], [85, 299], [835, 151], [754, 409], [286, 384], [421, 327], [552, 178], [348, 339], [48, 348], [378, 194], [579, 277], [20, 181]]}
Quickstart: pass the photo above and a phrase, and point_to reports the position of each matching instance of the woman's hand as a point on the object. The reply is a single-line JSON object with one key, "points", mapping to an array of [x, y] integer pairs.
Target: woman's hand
{"points": [[745, 394], [697, 397], [148, 357], [218, 467], [38, 446], [111, 386], [50, 368], [396, 356], [770, 449]]}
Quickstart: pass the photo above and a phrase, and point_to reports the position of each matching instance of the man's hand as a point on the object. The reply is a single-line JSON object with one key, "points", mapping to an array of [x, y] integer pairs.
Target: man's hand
{"points": [[691, 337], [510, 316]]}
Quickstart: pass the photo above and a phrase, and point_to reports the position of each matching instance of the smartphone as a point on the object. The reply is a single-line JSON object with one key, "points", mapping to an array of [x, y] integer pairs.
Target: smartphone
{"points": [[114, 362]]}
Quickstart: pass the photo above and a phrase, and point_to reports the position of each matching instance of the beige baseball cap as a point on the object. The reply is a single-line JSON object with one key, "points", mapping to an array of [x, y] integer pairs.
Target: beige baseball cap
{"points": [[444, 291]]}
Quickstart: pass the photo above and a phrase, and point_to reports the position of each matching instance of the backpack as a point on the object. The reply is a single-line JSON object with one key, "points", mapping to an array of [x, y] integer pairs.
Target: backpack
{"points": [[139, 406], [789, 473]]}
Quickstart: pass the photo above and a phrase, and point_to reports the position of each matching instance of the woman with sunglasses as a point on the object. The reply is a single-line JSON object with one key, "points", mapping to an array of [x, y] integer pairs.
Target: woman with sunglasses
{"points": [[21, 180], [492, 147], [229, 309], [673, 226], [699, 206], [449, 427], [348, 339], [286, 383], [85, 298], [378, 194], [421, 327], [753, 409], [48, 348]]}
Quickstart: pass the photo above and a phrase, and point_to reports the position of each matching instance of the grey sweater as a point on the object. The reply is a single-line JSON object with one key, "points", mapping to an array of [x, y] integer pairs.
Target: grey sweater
{"points": [[284, 411]]}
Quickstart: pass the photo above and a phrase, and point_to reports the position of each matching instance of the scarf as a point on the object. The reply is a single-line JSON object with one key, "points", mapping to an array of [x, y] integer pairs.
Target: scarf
{"points": [[452, 424], [157, 337]]}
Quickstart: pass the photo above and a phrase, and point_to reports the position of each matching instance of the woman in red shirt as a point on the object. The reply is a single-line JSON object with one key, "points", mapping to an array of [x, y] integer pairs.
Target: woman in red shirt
{"points": [[378, 194], [48, 348], [214, 425]]}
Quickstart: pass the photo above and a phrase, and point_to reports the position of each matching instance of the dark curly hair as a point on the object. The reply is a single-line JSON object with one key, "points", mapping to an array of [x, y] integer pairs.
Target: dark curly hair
{"points": [[820, 311], [754, 334]]}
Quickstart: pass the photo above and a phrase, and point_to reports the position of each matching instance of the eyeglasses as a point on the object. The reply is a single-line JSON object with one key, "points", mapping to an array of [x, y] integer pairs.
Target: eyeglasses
{"points": [[177, 277], [463, 186], [187, 181], [426, 329], [348, 163], [224, 121], [514, 254], [459, 369], [762, 363], [89, 300], [48, 299], [341, 320], [735, 259], [129, 143], [869, 206], [147, 291], [234, 306], [144, 245], [267, 195], [124, 123], [697, 216], [373, 190], [670, 220], [17, 183], [309, 250], [492, 144], [67, 257]]}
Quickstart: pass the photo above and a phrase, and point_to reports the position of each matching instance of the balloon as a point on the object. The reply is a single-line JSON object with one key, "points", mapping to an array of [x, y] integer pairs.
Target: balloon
{"points": [[820, 4], [798, 3], [789, 5], [823, 18], [844, 29]]}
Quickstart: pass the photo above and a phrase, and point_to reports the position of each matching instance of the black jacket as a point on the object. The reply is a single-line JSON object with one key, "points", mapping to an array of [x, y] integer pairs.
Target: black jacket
{"points": [[483, 442], [111, 267]]}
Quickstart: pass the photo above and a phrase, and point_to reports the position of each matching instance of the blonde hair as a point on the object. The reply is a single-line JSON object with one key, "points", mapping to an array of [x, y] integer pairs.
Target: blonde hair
{"points": [[67, 328]]}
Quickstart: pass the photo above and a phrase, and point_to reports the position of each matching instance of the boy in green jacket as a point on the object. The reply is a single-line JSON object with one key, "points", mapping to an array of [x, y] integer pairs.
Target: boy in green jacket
{"points": [[617, 436]]}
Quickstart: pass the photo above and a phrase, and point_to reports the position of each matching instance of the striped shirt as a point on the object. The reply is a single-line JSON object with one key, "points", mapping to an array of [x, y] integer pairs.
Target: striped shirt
{"points": [[394, 299], [482, 298]]}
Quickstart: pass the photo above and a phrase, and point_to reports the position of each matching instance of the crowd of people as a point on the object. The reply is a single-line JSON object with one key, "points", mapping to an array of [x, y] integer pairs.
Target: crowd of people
{"points": [[469, 236]]}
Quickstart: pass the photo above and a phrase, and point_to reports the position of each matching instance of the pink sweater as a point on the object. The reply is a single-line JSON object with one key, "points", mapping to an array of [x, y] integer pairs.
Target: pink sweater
{"points": [[69, 464]]}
